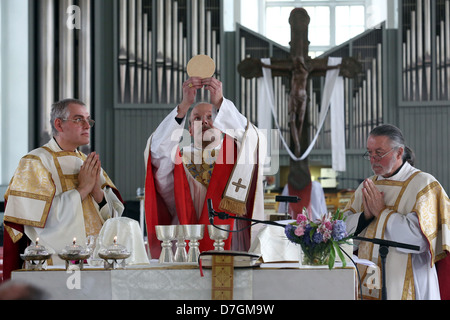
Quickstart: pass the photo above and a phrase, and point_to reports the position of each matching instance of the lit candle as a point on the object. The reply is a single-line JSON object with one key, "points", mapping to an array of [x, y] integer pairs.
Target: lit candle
{"points": [[115, 239], [37, 241], [74, 240]]}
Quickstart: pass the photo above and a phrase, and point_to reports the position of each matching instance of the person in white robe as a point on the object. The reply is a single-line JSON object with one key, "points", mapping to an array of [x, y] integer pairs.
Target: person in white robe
{"points": [[399, 203], [317, 202], [165, 141], [58, 194]]}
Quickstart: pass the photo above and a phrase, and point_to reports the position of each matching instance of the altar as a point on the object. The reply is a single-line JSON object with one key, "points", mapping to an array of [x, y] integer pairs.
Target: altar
{"points": [[270, 281]]}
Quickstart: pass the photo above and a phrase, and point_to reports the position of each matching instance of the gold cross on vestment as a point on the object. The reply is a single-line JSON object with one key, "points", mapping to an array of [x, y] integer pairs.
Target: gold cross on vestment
{"points": [[238, 185]]}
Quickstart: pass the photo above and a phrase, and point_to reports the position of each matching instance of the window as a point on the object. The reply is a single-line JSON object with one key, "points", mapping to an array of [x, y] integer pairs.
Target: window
{"points": [[332, 22], [276, 19], [349, 22], [319, 26]]}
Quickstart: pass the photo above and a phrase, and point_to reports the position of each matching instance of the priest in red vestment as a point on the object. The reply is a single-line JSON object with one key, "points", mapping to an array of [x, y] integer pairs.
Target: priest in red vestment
{"points": [[223, 164]]}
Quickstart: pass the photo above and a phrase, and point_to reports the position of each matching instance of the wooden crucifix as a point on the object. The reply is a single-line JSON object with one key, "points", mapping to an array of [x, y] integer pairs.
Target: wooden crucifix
{"points": [[299, 68]]}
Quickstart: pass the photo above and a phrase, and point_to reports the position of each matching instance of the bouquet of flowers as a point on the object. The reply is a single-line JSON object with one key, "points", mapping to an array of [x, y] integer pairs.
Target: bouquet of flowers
{"points": [[319, 239]]}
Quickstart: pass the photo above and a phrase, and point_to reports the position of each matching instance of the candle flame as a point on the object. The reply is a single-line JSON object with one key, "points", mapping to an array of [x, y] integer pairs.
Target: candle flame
{"points": [[74, 240], [115, 239], [37, 241]]}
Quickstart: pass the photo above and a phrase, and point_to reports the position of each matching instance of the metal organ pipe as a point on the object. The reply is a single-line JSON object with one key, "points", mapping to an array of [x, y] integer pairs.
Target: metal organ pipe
{"points": [[46, 83]]}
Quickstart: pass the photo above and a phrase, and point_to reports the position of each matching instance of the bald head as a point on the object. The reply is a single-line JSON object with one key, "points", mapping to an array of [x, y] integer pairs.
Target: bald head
{"points": [[201, 112], [201, 125]]}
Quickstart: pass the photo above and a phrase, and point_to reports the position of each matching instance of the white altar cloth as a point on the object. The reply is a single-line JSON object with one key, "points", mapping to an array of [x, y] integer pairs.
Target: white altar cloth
{"points": [[184, 282]]}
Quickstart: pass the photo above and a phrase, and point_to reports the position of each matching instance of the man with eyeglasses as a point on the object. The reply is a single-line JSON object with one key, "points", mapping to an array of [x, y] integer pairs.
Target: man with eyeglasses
{"points": [[400, 203], [57, 193]]}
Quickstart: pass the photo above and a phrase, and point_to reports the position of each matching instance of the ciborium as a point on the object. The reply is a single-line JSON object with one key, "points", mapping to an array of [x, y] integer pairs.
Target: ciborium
{"points": [[193, 233], [166, 234], [180, 252], [35, 256], [219, 233]]}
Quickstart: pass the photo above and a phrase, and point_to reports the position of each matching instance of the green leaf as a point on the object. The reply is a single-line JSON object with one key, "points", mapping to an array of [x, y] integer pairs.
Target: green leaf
{"points": [[338, 215], [332, 258], [340, 254]]}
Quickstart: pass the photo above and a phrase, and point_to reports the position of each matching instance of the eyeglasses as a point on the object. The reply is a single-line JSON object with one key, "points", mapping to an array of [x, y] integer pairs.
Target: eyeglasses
{"points": [[81, 122], [376, 157]]}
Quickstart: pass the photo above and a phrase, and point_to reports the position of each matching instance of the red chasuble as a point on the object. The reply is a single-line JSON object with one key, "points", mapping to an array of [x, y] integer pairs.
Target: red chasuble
{"points": [[443, 272], [156, 212], [12, 250], [304, 202]]}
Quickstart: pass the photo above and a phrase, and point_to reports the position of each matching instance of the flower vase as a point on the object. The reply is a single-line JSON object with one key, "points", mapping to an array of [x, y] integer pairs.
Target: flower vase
{"points": [[313, 256]]}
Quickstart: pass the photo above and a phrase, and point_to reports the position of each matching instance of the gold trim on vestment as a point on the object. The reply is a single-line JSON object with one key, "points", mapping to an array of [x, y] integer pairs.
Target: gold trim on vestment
{"points": [[14, 237], [430, 223], [31, 175], [222, 277], [92, 220], [367, 247], [200, 172], [33, 180], [409, 292], [402, 184]]}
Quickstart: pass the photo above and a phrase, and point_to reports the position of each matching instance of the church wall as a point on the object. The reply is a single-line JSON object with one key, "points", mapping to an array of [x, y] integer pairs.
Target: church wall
{"points": [[130, 143], [427, 132]]}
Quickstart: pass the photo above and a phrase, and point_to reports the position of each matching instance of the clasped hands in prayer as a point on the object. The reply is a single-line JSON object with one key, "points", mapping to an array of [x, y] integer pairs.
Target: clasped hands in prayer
{"points": [[89, 178], [373, 200]]}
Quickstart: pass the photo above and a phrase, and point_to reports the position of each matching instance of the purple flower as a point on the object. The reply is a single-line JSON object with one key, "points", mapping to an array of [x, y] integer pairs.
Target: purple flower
{"points": [[317, 237], [289, 231], [339, 230], [306, 235]]}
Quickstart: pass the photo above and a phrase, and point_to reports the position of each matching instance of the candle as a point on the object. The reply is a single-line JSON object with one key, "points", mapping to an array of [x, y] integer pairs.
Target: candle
{"points": [[37, 241], [115, 239], [74, 240]]}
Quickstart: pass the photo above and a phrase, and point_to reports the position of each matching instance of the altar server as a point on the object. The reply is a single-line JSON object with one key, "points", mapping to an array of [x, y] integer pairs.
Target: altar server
{"points": [[224, 163], [58, 194], [402, 204]]}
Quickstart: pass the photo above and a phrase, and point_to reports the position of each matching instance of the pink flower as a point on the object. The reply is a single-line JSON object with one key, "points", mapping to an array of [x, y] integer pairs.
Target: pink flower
{"points": [[325, 227], [301, 219], [299, 231]]}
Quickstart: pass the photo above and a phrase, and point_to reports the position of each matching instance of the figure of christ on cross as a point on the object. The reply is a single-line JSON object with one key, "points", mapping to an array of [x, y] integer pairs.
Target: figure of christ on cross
{"points": [[299, 68]]}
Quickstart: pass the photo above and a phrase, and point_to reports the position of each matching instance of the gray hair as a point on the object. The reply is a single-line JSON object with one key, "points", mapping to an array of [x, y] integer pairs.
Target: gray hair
{"points": [[397, 140], [59, 111]]}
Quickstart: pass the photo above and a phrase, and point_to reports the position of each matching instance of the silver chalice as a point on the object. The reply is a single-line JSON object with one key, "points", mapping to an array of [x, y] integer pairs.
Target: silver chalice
{"points": [[193, 233], [219, 234], [180, 252], [166, 234]]}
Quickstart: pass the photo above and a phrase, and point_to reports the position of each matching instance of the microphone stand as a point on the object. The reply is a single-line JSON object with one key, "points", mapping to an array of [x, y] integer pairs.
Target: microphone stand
{"points": [[224, 216], [287, 200], [383, 252]]}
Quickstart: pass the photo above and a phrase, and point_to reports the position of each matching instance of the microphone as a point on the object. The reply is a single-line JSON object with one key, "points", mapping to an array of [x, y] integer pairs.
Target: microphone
{"points": [[287, 199], [210, 211]]}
